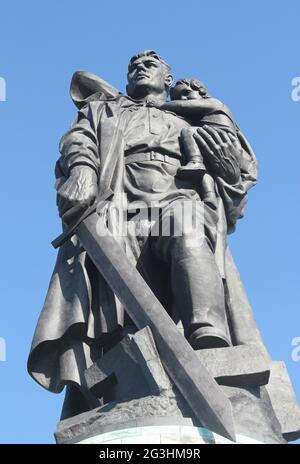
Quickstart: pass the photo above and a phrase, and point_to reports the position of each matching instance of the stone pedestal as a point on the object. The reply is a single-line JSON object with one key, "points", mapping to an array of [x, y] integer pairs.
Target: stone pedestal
{"points": [[164, 434], [146, 407]]}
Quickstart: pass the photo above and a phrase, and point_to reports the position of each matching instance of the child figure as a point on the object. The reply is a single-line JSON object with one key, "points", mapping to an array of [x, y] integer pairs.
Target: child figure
{"points": [[189, 98]]}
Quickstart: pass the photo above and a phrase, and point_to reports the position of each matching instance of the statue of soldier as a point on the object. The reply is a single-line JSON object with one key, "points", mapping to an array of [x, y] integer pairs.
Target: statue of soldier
{"points": [[125, 143]]}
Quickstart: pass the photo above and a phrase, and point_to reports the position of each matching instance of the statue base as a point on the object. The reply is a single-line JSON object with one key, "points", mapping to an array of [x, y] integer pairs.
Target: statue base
{"points": [[165, 434], [146, 407]]}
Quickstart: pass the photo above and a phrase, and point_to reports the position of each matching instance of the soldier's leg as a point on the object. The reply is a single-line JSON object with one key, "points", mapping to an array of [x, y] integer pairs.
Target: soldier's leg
{"points": [[197, 285]]}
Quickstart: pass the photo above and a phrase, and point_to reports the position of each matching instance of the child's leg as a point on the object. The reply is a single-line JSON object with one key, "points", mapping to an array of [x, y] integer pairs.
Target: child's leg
{"points": [[195, 164], [196, 167], [208, 184], [208, 190], [191, 149]]}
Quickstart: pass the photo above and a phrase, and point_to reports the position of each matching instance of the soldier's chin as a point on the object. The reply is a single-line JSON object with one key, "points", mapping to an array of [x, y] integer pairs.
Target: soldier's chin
{"points": [[144, 82], [141, 89]]}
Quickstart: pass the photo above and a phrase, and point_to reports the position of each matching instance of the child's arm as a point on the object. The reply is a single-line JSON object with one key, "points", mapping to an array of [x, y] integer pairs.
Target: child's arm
{"points": [[191, 107]]}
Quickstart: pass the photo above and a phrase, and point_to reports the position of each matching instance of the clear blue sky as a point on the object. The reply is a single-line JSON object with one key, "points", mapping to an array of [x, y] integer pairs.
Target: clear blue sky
{"points": [[247, 52]]}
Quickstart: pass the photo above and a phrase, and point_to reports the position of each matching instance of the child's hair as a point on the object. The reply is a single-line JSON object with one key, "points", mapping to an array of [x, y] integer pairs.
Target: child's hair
{"points": [[194, 84]]}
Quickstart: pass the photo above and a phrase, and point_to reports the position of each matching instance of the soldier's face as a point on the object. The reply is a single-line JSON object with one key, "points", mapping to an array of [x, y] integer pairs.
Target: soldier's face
{"points": [[146, 75]]}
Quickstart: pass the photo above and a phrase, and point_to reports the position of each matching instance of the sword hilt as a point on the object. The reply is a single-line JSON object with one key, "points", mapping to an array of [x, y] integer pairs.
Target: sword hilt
{"points": [[70, 231]]}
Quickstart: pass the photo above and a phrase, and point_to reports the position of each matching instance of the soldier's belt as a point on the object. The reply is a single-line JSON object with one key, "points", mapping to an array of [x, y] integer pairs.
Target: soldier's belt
{"points": [[151, 156]]}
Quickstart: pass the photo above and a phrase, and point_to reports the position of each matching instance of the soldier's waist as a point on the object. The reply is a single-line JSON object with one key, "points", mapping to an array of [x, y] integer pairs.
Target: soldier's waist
{"points": [[152, 156]]}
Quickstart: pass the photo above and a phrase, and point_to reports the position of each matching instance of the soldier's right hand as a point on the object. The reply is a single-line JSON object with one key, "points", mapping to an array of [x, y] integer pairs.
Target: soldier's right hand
{"points": [[77, 192]]}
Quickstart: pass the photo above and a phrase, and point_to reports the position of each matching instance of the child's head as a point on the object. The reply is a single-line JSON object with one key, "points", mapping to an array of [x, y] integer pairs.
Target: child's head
{"points": [[188, 89]]}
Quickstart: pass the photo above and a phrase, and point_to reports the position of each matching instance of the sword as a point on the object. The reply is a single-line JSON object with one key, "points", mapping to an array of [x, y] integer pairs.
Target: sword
{"points": [[205, 397]]}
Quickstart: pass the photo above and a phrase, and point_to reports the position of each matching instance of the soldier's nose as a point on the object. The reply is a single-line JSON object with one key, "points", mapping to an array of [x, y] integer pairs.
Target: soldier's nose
{"points": [[140, 66]]}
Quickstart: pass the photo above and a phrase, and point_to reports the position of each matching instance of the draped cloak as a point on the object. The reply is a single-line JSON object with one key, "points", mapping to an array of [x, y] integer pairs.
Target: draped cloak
{"points": [[80, 310]]}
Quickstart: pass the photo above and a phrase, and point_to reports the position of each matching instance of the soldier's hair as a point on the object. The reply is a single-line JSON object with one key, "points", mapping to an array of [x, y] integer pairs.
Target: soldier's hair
{"points": [[194, 84], [154, 55]]}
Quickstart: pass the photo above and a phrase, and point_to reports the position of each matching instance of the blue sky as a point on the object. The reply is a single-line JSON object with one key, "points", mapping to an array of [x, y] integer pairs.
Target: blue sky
{"points": [[246, 52]]}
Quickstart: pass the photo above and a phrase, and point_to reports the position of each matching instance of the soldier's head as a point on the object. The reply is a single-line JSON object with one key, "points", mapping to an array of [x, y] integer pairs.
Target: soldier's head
{"points": [[148, 74], [188, 89]]}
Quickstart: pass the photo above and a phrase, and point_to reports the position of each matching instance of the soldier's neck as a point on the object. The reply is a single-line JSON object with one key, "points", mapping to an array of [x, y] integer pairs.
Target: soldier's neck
{"points": [[153, 97]]}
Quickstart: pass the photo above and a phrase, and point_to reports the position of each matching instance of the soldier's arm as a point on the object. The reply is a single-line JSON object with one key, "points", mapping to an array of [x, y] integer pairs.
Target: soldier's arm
{"points": [[79, 146], [79, 164]]}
